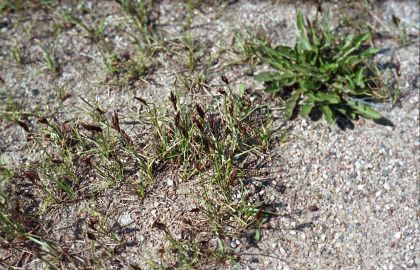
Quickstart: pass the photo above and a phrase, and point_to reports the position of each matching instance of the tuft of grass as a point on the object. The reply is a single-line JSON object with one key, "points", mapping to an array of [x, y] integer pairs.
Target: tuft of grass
{"points": [[128, 67], [191, 59], [93, 31], [402, 29], [323, 73], [20, 230], [214, 142], [22, 5], [139, 13], [209, 142], [17, 54], [50, 61]]}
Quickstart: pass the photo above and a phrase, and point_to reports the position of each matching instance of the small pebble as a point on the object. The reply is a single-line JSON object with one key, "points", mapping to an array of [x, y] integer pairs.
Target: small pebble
{"points": [[398, 235], [125, 220]]}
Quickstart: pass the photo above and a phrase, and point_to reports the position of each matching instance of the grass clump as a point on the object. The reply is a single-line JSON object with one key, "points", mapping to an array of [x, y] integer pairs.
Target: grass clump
{"points": [[212, 145], [227, 129], [323, 73]]}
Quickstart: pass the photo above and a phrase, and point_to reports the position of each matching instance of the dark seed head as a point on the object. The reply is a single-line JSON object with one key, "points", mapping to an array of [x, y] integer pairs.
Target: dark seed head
{"points": [[398, 68], [57, 161], [43, 120], [319, 6], [92, 221], [396, 20], [184, 132], [232, 176], [31, 175], [126, 138], [172, 98], [259, 214], [177, 120], [91, 127], [200, 111], [161, 251], [23, 125], [207, 145], [99, 110], [115, 121], [308, 21], [200, 126], [195, 210], [313, 208], [225, 79], [87, 160], [221, 91], [231, 109], [160, 226], [91, 236], [142, 101]]}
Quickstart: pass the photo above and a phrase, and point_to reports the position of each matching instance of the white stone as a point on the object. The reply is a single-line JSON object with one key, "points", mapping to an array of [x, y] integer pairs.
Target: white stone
{"points": [[125, 220]]}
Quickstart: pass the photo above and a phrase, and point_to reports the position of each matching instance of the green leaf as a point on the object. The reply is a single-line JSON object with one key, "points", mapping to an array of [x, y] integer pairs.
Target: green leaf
{"points": [[328, 113], [350, 45], [267, 76], [257, 235], [346, 111], [279, 65], [310, 84], [369, 52], [341, 110], [276, 85], [281, 54], [300, 22], [291, 103], [287, 81], [306, 109], [303, 42], [360, 39], [285, 52], [270, 52], [330, 98], [273, 87], [241, 90], [327, 28], [325, 98], [351, 83], [347, 42], [364, 110], [329, 67], [351, 60], [358, 79]]}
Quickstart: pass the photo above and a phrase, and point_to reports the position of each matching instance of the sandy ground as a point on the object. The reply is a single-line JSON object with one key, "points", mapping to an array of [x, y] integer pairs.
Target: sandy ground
{"points": [[348, 199]]}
